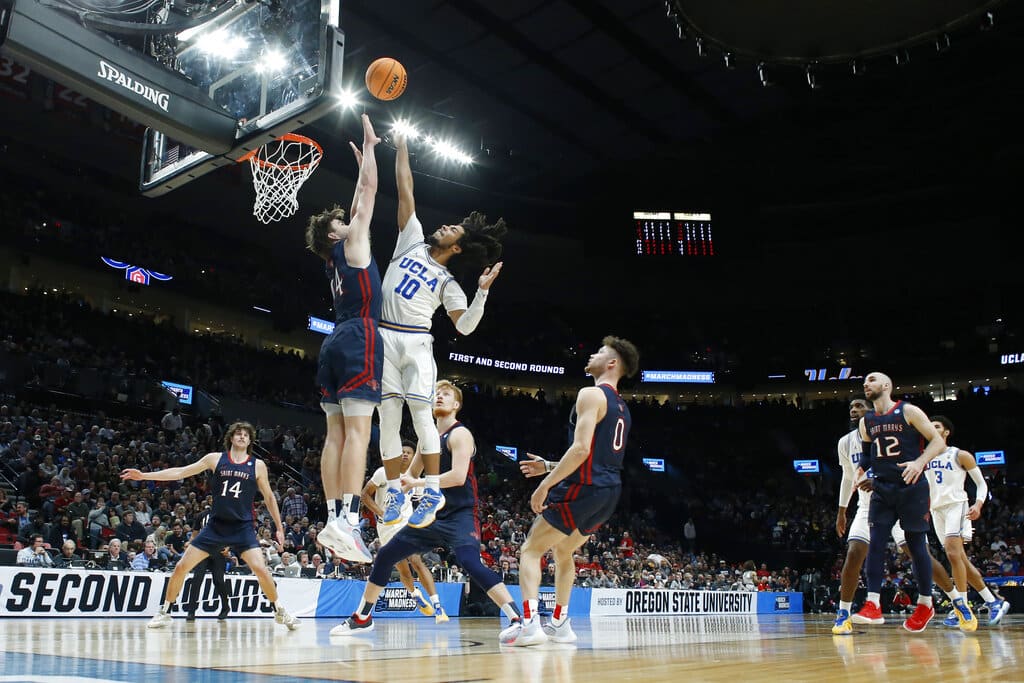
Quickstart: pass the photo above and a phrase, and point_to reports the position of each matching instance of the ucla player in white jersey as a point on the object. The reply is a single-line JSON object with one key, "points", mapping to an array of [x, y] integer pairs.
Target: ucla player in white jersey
{"points": [[951, 516], [417, 282]]}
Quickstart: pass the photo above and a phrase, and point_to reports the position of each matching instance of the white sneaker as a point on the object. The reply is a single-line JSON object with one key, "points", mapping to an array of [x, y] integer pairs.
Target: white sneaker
{"points": [[440, 617], [561, 633], [160, 620], [345, 541], [284, 618], [529, 634], [353, 626]]}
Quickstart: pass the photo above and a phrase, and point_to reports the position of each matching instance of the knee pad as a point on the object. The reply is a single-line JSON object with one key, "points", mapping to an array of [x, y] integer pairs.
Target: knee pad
{"points": [[468, 557], [426, 430], [390, 412]]}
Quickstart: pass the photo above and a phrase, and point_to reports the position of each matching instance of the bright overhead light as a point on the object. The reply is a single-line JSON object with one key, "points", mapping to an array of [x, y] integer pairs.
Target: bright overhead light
{"points": [[221, 44], [448, 151], [348, 99], [273, 60], [403, 127]]}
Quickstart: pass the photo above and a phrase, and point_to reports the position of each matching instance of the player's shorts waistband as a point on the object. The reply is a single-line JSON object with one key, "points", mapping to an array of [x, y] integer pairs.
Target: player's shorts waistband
{"points": [[411, 329]]}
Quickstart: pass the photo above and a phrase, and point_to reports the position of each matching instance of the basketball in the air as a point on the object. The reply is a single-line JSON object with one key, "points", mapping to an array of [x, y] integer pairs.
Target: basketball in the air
{"points": [[386, 78]]}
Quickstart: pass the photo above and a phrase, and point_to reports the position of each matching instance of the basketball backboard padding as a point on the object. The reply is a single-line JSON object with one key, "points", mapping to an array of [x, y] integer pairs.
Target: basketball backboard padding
{"points": [[140, 88]]}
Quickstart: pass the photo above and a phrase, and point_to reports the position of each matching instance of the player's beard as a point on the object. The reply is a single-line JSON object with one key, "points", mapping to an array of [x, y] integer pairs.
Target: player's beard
{"points": [[431, 240], [440, 411]]}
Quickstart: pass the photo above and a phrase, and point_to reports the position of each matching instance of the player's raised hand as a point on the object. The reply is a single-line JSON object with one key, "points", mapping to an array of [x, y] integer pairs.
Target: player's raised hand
{"points": [[369, 137], [489, 276], [357, 152], [131, 474], [911, 471], [534, 467]]}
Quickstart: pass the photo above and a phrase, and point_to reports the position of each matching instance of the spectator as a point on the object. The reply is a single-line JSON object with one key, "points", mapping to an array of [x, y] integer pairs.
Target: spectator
{"points": [[115, 559], [34, 554], [690, 534], [147, 559], [175, 542], [130, 529], [171, 424], [294, 506], [288, 567], [98, 521], [69, 554]]}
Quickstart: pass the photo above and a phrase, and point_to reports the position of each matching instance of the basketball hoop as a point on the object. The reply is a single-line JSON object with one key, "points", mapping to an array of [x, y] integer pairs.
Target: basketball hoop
{"points": [[279, 168]]}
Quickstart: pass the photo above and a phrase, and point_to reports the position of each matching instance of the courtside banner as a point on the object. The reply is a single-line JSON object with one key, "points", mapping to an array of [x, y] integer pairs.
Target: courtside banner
{"points": [[35, 592], [610, 602], [342, 598]]}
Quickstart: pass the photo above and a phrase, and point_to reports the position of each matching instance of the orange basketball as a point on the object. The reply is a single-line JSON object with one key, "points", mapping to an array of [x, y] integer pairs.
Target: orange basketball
{"points": [[386, 78]]}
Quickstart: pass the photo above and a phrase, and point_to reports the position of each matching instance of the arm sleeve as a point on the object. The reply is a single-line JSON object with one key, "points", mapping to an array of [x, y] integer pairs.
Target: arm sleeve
{"points": [[849, 472], [409, 236], [979, 481], [474, 314]]}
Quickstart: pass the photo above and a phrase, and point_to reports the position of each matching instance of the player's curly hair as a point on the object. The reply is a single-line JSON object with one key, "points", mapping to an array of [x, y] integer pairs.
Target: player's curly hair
{"points": [[245, 427], [945, 422], [627, 352], [317, 228], [480, 245]]}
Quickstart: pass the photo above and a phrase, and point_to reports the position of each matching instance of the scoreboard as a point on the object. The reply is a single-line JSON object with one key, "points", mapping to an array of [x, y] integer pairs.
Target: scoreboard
{"points": [[665, 233]]}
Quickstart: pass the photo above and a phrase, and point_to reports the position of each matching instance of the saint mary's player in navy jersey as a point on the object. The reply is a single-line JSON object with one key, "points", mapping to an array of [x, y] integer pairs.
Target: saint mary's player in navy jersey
{"points": [[236, 476], [350, 366], [893, 439], [579, 493], [456, 526]]}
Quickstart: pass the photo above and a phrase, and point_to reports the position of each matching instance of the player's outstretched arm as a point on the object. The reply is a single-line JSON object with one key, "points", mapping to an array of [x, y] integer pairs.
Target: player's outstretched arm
{"points": [[466, 320], [590, 406], [357, 244], [207, 462], [366, 498], [534, 467], [966, 460], [403, 178]]}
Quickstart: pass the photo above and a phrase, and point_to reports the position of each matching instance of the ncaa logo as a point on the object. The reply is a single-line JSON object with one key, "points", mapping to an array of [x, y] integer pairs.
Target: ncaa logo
{"points": [[782, 603]]}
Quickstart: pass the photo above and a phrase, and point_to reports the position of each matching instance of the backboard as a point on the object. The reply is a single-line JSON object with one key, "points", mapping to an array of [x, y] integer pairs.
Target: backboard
{"points": [[213, 79], [273, 66]]}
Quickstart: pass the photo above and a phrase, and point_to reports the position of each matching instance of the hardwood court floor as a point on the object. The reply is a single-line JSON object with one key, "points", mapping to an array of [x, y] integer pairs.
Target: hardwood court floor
{"points": [[729, 649]]}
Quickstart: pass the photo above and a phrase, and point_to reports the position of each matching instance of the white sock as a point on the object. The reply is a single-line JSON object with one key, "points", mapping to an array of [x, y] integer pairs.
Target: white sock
{"points": [[987, 595], [843, 604], [433, 481], [166, 608], [332, 508], [508, 609], [530, 613], [435, 601], [925, 600], [953, 594], [875, 598]]}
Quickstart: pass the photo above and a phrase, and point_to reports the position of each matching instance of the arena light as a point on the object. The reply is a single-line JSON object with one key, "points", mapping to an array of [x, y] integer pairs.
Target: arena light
{"points": [[273, 61], [448, 151], [348, 99], [403, 127], [222, 44]]}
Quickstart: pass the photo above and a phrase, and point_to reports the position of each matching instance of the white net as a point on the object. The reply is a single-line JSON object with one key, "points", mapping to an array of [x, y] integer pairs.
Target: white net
{"points": [[279, 169]]}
